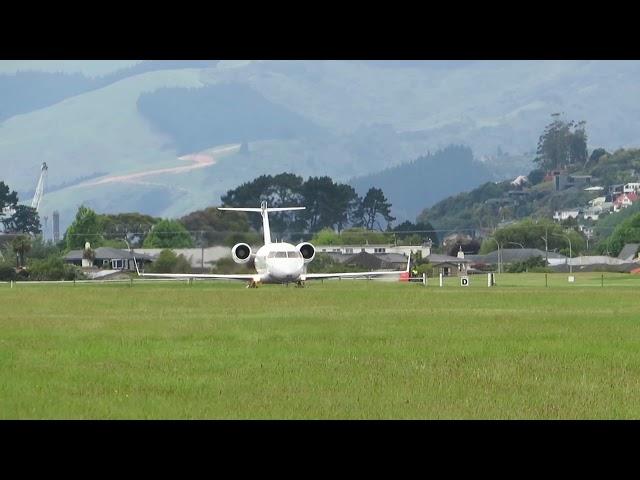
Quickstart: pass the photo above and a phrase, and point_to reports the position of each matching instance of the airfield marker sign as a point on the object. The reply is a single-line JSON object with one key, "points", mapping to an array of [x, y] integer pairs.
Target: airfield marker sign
{"points": [[464, 281]]}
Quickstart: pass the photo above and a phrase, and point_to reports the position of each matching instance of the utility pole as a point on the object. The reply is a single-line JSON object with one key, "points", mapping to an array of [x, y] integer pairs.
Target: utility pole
{"points": [[546, 244], [570, 254], [499, 259]]}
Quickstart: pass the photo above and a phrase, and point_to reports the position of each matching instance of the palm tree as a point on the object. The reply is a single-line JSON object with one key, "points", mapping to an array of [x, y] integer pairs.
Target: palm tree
{"points": [[21, 245]]}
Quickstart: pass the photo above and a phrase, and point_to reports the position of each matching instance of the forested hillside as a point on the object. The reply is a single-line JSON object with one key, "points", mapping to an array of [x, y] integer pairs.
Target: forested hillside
{"points": [[424, 181], [492, 203], [198, 118]]}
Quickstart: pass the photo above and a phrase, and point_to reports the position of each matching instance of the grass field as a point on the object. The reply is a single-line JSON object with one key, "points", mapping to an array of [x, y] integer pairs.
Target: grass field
{"points": [[339, 349]]}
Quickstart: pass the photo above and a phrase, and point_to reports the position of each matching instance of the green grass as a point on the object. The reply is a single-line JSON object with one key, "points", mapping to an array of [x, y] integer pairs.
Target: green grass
{"points": [[339, 349]]}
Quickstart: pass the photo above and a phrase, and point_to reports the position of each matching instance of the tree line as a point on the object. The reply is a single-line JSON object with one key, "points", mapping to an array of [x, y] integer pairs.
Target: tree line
{"points": [[329, 204], [334, 213], [23, 219]]}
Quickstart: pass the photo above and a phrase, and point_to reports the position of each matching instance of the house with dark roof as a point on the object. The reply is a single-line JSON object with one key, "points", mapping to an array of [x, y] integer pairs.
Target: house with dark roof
{"points": [[511, 255], [110, 258], [448, 265], [629, 251], [371, 261]]}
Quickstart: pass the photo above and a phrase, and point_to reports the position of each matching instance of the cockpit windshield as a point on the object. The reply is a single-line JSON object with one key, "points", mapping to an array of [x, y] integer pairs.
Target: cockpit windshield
{"points": [[290, 254]]}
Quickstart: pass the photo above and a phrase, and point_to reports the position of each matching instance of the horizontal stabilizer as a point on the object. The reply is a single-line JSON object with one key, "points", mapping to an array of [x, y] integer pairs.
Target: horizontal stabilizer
{"points": [[284, 209], [241, 209], [263, 210], [277, 209]]}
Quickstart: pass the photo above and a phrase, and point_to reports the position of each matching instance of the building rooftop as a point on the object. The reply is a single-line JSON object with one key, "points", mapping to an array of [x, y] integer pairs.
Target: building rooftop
{"points": [[514, 255], [436, 258], [629, 251], [108, 253]]}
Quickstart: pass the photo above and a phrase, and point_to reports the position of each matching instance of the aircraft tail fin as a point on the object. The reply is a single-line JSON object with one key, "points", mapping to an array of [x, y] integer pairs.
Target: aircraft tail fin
{"points": [[264, 211]]}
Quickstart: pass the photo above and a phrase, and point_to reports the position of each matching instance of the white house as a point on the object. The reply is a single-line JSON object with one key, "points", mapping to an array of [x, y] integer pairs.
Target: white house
{"points": [[625, 200], [565, 214], [592, 213], [424, 249], [631, 187], [598, 201], [520, 180]]}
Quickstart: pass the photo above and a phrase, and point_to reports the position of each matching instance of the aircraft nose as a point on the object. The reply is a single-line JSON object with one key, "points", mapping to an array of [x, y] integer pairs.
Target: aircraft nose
{"points": [[287, 270]]}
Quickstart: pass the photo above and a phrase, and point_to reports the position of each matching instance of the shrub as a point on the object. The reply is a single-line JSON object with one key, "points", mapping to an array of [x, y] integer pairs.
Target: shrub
{"points": [[536, 176], [22, 275], [527, 265], [541, 270], [53, 268], [169, 262], [425, 268], [7, 273]]}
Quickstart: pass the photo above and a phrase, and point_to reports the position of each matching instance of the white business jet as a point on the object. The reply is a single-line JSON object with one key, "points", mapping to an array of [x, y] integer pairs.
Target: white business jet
{"points": [[274, 262]]}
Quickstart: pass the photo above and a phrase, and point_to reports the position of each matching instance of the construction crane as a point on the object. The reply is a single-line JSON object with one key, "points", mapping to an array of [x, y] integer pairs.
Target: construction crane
{"points": [[37, 197]]}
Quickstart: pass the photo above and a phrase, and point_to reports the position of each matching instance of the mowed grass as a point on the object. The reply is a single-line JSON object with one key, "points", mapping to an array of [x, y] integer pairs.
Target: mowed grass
{"points": [[339, 349]]}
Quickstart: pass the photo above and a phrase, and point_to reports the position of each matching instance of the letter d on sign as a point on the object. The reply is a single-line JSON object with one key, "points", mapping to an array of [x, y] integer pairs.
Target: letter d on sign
{"points": [[464, 281]]}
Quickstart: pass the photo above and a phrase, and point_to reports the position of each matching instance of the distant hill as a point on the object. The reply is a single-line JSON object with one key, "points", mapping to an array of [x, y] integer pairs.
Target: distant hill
{"points": [[26, 91], [346, 119], [424, 181], [491, 203], [198, 118]]}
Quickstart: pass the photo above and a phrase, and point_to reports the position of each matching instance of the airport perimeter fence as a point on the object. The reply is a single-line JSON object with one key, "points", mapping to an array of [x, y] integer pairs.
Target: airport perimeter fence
{"points": [[534, 280], [127, 282], [476, 281]]}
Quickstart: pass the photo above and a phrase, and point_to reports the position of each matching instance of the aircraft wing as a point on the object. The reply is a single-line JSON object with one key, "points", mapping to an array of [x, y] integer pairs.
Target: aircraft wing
{"points": [[214, 276], [317, 276], [243, 277]]}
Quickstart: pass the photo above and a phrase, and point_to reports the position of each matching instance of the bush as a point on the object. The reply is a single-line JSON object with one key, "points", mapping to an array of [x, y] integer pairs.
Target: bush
{"points": [[527, 265], [541, 270], [53, 268], [22, 275], [536, 176], [425, 268], [41, 249], [169, 262], [227, 266], [7, 274]]}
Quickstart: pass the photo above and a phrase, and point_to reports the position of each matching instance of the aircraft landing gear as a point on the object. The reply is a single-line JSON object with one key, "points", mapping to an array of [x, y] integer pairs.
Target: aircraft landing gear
{"points": [[252, 284], [300, 284]]}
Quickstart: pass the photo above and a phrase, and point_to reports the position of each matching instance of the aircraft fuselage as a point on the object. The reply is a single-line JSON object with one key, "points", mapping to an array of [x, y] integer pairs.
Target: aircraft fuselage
{"points": [[279, 263]]}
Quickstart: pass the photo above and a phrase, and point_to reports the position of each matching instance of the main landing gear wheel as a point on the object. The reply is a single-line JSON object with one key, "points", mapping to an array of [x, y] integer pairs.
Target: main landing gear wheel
{"points": [[300, 284], [252, 284]]}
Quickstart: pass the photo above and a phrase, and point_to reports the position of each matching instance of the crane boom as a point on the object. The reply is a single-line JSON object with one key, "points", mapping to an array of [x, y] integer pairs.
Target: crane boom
{"points": [[37, 196]]}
